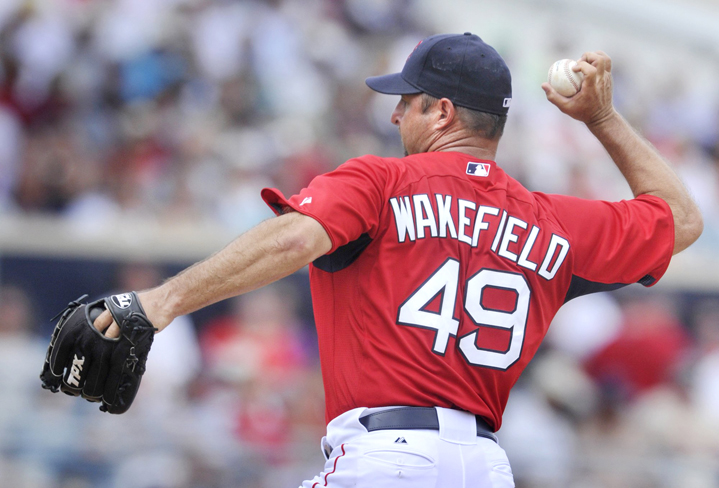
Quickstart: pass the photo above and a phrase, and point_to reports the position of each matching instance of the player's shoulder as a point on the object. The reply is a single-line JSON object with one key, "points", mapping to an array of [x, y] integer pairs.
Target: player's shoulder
{"points": [[416, 161], [520, 194], [372, 159], [569, 212], [546, 208], [381, 170], [548, 205], [371, 162]]}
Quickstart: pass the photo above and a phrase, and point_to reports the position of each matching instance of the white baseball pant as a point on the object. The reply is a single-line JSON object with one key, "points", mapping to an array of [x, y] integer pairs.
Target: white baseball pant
{"points": [[451, 457]]}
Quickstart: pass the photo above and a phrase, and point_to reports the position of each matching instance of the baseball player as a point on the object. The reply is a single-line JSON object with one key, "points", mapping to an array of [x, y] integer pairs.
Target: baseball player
{"points": [[435, 276]]}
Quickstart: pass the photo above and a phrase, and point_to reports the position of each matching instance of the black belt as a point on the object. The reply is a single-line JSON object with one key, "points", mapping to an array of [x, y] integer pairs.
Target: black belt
{"points": [[415, 418]]}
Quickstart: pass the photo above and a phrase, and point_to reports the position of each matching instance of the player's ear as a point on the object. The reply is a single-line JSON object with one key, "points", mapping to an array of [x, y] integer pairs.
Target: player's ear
{"points": [[446, 113]]}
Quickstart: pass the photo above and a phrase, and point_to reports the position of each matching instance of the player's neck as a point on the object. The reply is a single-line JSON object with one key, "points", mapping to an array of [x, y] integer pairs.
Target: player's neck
{"points": [[474, 146]]}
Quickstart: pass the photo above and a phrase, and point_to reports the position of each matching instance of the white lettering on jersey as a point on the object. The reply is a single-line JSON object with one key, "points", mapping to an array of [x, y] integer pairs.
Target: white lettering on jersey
{"points": [[422, 207], [75, 370], [464, 221], [527, 249], [445, 216], [556, 241], [500, 229], [510, 236], [415, 214], [306, 200], [480, 224], [403, 218]]}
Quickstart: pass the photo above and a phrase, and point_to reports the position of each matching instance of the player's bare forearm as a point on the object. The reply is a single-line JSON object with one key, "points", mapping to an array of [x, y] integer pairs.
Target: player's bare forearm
{"points": [[272, 250], [642, 166], [648, 173]]}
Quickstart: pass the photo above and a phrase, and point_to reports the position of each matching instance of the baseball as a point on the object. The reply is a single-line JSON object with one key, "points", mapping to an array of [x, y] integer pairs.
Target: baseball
{"points": [[563, 79]]}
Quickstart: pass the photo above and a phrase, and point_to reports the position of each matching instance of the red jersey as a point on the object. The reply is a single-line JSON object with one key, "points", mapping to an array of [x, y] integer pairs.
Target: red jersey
{"points": [[445, 273]]}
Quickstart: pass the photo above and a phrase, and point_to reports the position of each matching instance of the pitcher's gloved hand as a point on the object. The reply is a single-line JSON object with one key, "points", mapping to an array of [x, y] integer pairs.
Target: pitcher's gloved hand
{"points": [[81, 361]]}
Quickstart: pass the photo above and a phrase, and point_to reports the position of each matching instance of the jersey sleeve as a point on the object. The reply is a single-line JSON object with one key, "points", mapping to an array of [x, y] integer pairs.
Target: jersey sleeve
{"points": [[347, 201], [616, 243]]}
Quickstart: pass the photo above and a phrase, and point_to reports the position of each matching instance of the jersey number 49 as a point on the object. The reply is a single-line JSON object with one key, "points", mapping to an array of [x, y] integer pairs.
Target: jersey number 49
{"points": [[445, 283]]}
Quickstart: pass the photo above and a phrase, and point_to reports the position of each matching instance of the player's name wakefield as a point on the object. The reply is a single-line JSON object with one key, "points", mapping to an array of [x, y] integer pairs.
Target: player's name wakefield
{"points": [[417, 218]]}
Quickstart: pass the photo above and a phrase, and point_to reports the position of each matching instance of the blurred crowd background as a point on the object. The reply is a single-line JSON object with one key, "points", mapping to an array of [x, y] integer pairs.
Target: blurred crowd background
{"points": [[121, 116]]}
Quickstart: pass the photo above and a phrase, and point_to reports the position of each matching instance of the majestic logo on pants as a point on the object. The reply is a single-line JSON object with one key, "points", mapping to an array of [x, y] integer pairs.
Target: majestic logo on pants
{"points": [[75, 370], [122, 301]]}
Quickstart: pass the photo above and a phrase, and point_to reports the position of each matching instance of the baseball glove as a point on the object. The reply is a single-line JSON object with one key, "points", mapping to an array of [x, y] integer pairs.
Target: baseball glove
{"points": [[81, 361]]}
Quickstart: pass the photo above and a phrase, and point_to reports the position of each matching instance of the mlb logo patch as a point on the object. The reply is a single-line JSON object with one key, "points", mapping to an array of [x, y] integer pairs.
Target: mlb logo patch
{"points": [[478, 169]]}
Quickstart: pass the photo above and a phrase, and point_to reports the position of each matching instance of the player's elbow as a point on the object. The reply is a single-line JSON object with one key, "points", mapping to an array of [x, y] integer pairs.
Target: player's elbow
{"points": [[303, 238], [695, 225], [688, 226], [295, 246]]}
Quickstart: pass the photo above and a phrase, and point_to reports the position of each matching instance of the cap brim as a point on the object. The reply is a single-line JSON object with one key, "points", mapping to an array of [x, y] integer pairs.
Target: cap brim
{"points": [[392, 84]]}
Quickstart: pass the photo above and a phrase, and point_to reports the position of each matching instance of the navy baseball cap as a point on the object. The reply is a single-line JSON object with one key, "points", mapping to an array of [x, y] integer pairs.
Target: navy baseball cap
{"points": [[460, 67]]}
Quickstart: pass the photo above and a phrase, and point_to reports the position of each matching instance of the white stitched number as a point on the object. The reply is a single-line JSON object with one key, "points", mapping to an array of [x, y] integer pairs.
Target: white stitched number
{"points": [[445, 281], [411, 312], [516, 321]]}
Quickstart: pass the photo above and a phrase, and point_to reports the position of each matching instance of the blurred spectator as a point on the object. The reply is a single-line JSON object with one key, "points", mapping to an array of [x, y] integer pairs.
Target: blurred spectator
{"points": [[704, 381], [648, 351], [585, 325], [540, 441], [21, 358], [12, 146], [260, 340], [260, 349]]}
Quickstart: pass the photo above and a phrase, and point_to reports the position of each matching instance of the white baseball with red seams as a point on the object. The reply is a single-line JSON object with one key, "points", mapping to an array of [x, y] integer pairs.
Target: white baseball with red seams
{"points": [[564, 79]]}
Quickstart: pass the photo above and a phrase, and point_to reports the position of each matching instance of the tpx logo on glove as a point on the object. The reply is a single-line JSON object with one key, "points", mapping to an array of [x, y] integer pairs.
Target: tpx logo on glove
{"points": [[75, 371], [122, 301]]}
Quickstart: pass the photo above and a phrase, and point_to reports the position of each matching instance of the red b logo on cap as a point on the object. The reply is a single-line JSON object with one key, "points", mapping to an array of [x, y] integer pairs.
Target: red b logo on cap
{"points": [[415, 48]]}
